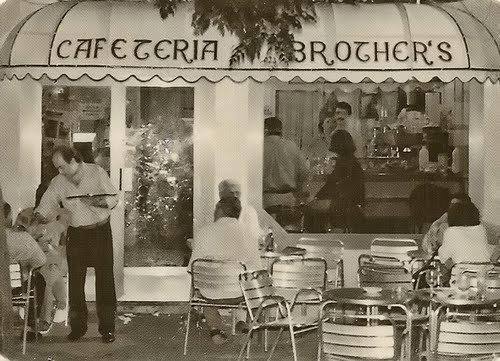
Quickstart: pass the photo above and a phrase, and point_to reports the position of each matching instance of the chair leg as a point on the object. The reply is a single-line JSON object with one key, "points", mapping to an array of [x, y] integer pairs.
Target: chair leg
{"points": [[187, 330], [25, 330], [233, 323], [246, 343], [292, 338], [67, 302], [35, 313], [275, 343]]}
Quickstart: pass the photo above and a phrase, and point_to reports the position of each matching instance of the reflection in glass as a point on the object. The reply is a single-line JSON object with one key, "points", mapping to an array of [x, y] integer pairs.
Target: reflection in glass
{"points": [[159, 206]]}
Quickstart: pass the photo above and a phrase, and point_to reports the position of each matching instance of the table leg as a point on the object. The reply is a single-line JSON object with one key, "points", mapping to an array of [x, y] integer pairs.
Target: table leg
{"points": [[433, 327]]}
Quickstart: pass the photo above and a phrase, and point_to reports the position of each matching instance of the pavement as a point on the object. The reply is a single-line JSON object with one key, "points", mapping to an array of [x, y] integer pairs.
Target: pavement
{"points": [[152, 334]]}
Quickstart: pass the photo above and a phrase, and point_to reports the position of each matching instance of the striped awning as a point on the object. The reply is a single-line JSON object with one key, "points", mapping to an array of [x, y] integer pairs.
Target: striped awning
{"points": [[123, 40]]}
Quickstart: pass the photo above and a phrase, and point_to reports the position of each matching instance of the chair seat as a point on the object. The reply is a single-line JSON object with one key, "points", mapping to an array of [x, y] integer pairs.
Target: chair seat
{"points": [[200, 301]]}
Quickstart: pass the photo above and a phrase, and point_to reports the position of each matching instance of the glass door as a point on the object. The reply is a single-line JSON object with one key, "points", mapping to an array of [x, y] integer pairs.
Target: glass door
{"points": [[157, 178]]}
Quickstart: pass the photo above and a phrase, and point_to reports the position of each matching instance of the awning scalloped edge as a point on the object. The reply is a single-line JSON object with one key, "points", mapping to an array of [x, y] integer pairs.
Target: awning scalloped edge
{"points": [[213, 79]]}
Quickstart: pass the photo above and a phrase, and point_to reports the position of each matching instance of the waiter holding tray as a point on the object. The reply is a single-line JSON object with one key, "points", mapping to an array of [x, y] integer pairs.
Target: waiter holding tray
{"points": [[86, 196]]}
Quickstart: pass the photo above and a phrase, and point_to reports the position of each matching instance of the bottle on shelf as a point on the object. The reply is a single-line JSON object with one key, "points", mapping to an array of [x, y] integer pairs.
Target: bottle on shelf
{"points": [[455, 160], [270, 242], [423, 158]]}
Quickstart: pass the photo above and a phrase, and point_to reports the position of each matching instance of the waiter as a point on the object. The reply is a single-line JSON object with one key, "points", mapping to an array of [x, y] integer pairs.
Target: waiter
{"points": [[89, 243]]}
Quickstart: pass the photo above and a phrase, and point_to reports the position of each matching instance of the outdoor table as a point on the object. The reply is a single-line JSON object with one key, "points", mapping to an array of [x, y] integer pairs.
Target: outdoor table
{"points": [[451, 297], [373, 300]]}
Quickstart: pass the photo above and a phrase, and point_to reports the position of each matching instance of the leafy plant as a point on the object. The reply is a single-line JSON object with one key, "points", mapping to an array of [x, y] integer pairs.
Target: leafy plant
{"points": [[258, 24]]}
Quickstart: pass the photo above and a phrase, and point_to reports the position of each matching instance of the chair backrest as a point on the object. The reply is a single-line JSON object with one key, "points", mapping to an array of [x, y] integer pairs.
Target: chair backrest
{"points": [[385, 277], [469, 338], [15, 275], [356, 339], [256, 286], [471, 268], [292, 274], [368, 260], [393, 247], [332, 254], [216, 279]]}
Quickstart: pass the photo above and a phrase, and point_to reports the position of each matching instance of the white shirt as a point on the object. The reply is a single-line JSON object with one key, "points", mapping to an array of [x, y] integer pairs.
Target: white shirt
{"points": [[94, 180], [23, 248], [465, 244], [227, 239], [250, 220], [285, 166]]}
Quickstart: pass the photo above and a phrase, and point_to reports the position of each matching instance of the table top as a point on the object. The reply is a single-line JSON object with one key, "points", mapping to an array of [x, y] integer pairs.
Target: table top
{"points": [[360, 296], [453, 297]]}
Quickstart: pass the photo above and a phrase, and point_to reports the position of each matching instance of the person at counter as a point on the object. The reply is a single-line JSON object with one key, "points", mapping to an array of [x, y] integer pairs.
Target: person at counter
{"points": [[319, 154], [343, 194], [285, 169], [344, 121]]}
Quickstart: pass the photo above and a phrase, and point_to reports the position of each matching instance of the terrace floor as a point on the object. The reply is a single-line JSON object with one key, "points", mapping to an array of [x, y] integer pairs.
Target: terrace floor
{"points": [[150, 335]]}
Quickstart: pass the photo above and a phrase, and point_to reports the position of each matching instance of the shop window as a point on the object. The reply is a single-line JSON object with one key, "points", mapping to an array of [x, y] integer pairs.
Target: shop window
{"points": [[158, 176], [411, 145], [76, 116]]}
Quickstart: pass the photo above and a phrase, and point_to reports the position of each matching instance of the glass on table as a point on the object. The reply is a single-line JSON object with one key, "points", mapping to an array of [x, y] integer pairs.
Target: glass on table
{"points": [[463, 282], [432, 278]]}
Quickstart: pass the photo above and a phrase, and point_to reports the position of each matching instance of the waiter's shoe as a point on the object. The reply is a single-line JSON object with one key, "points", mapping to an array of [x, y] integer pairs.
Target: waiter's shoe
{"points": [[76, 335], [108, 337]]}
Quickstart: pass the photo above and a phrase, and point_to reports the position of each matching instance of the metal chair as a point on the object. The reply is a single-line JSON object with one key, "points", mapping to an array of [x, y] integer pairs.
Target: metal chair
{"points": [[468, 338], [385, 277], [291, 275], [268, 310], [214, 283], [393, 247], [352, 336], [332, 254], [23, 298]]}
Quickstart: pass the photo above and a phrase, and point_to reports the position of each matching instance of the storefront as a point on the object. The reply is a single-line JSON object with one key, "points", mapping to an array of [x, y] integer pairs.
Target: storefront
{"points": [[165, 114]]}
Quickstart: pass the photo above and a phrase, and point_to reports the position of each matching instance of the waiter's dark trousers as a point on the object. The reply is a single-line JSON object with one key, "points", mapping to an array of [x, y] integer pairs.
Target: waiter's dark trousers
{"points": [[91, 248]]}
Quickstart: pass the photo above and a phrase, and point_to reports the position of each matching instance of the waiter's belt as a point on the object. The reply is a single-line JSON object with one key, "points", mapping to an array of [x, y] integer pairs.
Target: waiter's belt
{"points": [[93, 226]]}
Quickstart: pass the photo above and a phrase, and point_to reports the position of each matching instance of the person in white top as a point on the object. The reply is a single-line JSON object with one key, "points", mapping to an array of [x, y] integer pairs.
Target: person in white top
{"points": [[86, 193], [225, 239], [344, 120], [465, 239]]}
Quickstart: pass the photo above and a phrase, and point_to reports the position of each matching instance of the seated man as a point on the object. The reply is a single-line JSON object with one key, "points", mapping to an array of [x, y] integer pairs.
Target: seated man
{"points": [[53, 271], [23, 249], [226, 238]]}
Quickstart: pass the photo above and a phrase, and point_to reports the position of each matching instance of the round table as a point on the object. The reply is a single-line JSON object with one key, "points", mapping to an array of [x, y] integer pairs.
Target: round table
{"points": [[451, 297], [361, 297]]}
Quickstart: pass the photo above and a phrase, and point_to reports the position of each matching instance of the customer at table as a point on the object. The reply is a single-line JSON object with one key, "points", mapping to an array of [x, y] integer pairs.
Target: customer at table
{"points": [[465, 239], [343, 194], [226, 238], [248, 215], [433, 239]]}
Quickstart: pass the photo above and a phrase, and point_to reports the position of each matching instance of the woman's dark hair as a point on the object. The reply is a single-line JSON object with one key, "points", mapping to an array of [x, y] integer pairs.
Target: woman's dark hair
{"points": [[346, 106], [342, 143], [463, 214], [6, 209], [67, 153]]}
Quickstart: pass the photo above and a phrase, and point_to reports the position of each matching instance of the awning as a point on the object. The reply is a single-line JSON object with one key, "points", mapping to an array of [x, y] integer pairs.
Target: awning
{"points": [[355, 43]]}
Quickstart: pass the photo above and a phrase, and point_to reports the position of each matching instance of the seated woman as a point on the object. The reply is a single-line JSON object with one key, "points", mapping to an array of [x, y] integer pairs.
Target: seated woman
{"points": [[465, 239], [344, 190]]}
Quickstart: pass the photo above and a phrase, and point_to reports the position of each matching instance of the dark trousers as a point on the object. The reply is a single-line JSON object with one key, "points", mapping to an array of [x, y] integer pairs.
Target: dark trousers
{"points": [[91, 248]]}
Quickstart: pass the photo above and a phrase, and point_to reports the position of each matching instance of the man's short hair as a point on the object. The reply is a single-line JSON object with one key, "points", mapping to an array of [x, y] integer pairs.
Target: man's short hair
{"points": [[228, 207], [346, 106], [67, 153], [227, 188], [6, 209], [273, 126]]}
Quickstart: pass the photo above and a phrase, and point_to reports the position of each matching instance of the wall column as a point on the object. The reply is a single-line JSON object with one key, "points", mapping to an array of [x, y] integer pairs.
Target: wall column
{"points": [[228, 143]]}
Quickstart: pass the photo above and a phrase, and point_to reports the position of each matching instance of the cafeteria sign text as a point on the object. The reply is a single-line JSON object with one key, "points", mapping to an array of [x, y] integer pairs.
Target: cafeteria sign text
{"points": [[187, 51]]}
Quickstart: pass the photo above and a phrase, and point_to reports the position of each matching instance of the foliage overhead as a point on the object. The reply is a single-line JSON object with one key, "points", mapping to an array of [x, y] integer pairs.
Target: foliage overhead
{"points": [[258, 22]]}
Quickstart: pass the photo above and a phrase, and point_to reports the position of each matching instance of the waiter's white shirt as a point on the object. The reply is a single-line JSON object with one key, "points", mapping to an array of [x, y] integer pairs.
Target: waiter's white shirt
{"points": [[94, 180]]}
